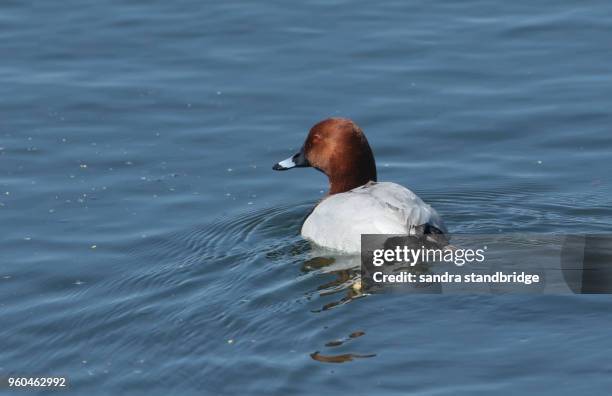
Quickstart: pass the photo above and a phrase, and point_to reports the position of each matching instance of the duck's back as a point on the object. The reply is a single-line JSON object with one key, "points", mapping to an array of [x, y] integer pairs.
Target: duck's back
{"points": [[376, 208]]}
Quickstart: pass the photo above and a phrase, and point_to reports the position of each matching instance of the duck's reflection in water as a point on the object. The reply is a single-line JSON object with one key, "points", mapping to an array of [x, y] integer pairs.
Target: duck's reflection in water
{"points": [[345, 357], [346, 282], [347, 285]]}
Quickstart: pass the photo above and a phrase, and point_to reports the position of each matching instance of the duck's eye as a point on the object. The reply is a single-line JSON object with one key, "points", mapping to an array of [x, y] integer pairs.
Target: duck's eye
{"points": [[316, 138]]}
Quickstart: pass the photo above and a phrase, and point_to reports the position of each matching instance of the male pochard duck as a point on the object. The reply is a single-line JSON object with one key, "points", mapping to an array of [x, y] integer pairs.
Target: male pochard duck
{"points": [[356, 203]]}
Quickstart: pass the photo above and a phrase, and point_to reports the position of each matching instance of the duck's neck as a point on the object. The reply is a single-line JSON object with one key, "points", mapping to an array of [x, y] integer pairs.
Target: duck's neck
{"points": [[343, 183], [352, 167]]}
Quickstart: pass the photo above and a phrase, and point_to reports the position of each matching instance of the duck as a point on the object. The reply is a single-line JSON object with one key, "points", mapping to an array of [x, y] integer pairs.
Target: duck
{"points": [[357, 203]]}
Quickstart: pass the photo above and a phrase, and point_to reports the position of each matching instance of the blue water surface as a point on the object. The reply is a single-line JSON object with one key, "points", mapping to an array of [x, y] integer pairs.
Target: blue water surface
{"points": [[148, 248]]}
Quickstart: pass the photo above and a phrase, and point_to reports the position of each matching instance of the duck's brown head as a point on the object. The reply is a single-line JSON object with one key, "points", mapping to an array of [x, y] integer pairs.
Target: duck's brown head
{"points": [[338, 148]]}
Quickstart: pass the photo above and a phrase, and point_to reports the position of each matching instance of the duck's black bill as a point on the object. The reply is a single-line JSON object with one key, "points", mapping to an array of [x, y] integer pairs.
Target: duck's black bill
{"points": [[298, 160]]}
